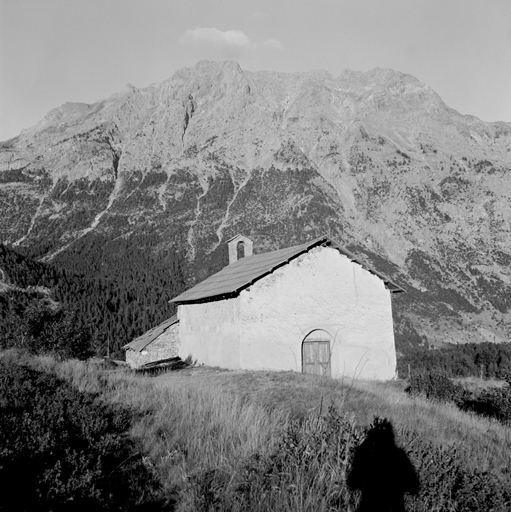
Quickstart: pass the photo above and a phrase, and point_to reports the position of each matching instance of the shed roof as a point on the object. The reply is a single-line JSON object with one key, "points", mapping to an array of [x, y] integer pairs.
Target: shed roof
{"points": [[138, 344], [233, 278]]}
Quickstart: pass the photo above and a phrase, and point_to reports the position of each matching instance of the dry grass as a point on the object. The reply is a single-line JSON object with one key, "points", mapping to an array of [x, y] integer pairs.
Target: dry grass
{"points": [[201, 419], [184, 423], [487, 442], [213, 415]]}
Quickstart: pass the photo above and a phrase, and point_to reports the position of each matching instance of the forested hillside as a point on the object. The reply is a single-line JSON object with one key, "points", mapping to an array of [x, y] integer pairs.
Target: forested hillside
{"points": [[122, 293]]}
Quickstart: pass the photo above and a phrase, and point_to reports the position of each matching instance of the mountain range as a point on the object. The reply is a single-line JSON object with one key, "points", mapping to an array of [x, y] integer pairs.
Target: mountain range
{"points": [[376, 160]]}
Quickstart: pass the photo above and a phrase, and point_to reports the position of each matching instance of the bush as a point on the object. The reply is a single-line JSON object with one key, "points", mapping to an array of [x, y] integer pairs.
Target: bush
{"points": [[494, 403], [45, 330], [447, 483], [65, 450], [437, 386]]}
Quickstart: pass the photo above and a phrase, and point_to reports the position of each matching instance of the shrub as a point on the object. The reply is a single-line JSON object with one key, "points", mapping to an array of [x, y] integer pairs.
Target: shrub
{"points": [[447, 483], [65, 450], [43, 330], [437, 386], [494, 403]]}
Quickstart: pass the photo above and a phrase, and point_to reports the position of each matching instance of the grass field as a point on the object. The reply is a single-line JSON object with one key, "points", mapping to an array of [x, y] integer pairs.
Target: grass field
{"points": [[213, 437]]}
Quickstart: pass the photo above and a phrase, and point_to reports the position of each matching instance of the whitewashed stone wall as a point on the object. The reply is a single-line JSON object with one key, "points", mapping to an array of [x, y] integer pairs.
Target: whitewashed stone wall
{"points": [[210, 332], [163, 347], [321, 289]]}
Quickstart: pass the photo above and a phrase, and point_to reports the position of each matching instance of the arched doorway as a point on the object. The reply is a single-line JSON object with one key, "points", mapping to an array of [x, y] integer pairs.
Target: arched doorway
{"points": [[316, 353]]}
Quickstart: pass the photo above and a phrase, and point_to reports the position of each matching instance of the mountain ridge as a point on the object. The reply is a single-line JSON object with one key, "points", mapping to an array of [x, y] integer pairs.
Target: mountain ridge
{"points": [[376, 160]]}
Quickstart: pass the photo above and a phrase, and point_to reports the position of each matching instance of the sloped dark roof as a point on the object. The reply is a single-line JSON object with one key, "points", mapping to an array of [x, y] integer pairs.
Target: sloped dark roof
{"points": [[233, 278], [138, 344]]}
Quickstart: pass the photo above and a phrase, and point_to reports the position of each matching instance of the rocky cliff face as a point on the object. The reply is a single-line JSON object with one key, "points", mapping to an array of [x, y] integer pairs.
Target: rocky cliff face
{"points": [[376, 160]]}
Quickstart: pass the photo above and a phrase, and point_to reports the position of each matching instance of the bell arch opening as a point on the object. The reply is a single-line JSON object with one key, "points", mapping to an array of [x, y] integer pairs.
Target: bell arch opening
{"points": [[240, 250], [316, 353]]}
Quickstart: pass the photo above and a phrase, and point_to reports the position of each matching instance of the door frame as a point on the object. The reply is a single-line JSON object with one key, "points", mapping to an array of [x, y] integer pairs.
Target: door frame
{"points": [[324, 337]]}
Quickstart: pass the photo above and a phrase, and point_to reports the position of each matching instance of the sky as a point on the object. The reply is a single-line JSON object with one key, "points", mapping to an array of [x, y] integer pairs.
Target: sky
{"points": [[54, 51]]}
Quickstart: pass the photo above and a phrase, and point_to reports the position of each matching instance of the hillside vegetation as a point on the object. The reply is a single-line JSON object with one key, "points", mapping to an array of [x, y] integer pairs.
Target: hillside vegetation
{"points": [[219, 440], [485, 360], [114, 306]]}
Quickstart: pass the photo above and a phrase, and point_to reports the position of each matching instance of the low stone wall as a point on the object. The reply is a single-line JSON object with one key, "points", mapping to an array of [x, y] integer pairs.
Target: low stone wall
{"points": [[163, 347]]}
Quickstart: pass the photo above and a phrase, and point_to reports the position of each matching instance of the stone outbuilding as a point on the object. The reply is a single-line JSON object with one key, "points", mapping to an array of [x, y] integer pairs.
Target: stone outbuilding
{"points": [[161, 342], [312, 308]]}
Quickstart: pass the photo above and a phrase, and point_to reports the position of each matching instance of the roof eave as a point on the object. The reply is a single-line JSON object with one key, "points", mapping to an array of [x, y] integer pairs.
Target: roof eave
{"points": [[129, 346], [211, 298]]}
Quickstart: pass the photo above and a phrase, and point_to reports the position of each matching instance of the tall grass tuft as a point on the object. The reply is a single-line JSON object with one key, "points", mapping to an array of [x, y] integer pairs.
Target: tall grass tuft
{"points": [[305, 471]]}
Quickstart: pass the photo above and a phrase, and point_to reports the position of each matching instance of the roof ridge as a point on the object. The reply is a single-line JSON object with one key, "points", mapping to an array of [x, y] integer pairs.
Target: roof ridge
{"points": [[230, 280]]}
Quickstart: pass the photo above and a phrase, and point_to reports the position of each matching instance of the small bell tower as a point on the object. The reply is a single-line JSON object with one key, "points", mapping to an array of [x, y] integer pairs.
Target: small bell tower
{"points": [[239, 247]]}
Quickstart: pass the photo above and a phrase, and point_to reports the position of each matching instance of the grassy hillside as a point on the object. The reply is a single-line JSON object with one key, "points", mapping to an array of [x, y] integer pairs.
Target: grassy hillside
{"points": [[220, 440]]}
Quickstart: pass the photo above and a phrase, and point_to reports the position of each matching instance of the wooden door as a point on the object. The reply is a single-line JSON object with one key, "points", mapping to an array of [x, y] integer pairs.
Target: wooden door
{"points": [[316, 353]]}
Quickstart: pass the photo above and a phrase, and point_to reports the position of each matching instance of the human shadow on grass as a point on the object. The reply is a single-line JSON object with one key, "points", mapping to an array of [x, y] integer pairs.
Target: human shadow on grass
{"points": [[382, 471]]}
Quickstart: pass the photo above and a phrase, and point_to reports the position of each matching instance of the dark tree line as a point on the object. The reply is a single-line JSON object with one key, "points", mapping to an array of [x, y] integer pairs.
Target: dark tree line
{"points": [[117, 295], [487, 360]]}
